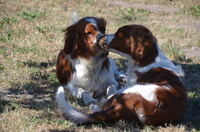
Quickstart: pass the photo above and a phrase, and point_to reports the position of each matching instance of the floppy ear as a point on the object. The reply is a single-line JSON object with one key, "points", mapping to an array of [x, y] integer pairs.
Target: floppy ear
{"points": [[102, 25], [71, 39], [146, 52]]}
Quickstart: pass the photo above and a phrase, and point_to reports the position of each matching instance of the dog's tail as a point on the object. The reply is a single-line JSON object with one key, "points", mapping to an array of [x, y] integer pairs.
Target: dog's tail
{"points": [[74, 17], [69, 113]]}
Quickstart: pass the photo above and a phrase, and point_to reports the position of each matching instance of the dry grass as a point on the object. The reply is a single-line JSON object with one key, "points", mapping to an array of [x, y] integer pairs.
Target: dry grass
{"points": [[31, 35]]}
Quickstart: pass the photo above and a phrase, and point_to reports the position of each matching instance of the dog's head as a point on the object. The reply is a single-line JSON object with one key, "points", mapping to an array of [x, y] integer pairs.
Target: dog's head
{"points": [[134, 41], [82, 39]]}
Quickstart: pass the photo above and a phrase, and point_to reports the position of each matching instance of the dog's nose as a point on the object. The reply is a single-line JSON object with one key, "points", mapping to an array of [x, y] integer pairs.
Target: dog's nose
{"points": [[100, 36], [109, 38]]}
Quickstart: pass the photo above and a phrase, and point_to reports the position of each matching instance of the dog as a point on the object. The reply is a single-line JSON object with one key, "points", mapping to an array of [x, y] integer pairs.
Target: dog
{"points": [[154, 93], [83, 67]]}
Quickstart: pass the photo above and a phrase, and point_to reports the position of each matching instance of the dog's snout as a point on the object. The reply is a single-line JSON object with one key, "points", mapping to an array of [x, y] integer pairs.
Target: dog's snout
{"points": [[109, 38], [107, 41]]}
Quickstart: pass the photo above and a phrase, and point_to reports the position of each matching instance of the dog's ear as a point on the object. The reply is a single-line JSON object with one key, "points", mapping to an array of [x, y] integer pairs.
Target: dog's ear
{"points": [[146, 52], [71, 39], [102, 25]]}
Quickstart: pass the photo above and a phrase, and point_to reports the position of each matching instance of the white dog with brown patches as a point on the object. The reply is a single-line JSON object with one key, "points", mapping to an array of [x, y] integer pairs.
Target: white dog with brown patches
{"points": [[154, 94], [83, 67]]}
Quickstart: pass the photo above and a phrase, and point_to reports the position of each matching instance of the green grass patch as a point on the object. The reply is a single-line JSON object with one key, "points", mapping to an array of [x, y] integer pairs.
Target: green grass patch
{"points": [[193, 11], [7, 36], [173, 51], [178, 32], [33, 14], [46, 29], [3, 51], [1, 67], [194, 94], [131, 14], [53, 78], [11, 34], [8, 21], [27, 49], [8, 105], [90, 2]]}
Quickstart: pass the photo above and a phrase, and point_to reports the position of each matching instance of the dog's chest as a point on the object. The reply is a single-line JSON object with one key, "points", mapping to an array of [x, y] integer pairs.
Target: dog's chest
{"points": [[88, 77]]}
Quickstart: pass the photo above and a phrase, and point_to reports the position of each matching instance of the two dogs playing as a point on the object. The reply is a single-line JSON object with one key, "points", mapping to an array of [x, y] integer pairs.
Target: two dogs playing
{"points": [[154, 93]]}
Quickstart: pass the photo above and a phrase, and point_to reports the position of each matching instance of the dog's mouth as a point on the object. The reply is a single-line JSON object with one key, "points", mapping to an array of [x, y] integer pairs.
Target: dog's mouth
{"points": [[106, 42], [103, 42]]}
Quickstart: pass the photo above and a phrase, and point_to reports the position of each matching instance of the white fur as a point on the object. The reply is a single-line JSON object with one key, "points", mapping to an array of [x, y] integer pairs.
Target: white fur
{"points": [[74, 17], [67, 109], [160, 61], [140, 114], [89, 77], [146, 91], [164, 62]]}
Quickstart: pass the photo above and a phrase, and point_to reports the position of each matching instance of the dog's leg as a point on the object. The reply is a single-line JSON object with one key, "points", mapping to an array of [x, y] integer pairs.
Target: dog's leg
{"points": [[94, 108], [80, 93], [86, 97], [98, 107]]}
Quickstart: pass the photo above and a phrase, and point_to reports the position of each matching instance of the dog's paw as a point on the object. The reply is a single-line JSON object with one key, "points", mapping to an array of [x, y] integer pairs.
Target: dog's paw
{"points": [[94, 108], [87, 99]]}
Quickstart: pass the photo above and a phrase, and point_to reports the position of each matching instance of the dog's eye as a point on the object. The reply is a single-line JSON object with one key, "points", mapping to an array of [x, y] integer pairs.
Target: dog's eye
{"points": [[88, 33]]}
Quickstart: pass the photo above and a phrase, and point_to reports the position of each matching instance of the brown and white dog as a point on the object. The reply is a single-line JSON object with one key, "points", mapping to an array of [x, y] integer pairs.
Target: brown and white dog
{"points": [[83, 67], [154, 94]]}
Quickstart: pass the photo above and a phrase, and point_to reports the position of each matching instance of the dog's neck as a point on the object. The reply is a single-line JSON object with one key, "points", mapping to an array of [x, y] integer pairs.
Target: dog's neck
{"points": [[89, 65]]}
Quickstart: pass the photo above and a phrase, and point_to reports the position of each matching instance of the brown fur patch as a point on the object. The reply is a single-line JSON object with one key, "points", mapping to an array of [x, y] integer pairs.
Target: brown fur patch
{"points": [[80, 38], [64, 69], [136, 41]]}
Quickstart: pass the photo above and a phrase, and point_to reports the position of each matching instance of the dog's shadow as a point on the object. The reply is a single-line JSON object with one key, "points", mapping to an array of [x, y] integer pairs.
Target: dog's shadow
{"points": [[192, 82]]}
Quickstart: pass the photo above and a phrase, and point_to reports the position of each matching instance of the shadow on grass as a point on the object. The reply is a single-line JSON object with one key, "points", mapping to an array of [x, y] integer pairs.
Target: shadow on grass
{"points": [[4, 104], [192, 82], [62, 130], [39, 92]]}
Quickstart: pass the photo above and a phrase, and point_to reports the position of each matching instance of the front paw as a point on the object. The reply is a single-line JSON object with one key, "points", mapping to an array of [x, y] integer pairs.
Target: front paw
{"points": [[94, 108], [87, 99]]}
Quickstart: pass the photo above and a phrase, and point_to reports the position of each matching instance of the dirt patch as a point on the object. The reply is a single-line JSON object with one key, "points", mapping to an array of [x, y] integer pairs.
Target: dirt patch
{"points": [[192, 52], [195, 26], [149, 7]]}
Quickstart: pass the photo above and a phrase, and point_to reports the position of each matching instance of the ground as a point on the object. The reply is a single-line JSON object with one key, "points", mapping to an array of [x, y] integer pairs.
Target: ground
{"points": [[31, 36]]}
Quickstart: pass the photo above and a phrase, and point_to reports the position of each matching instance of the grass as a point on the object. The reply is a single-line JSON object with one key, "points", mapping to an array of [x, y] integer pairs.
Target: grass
{"points": [[31, 35], [131, 14], [173, 51], [32, 14], [195, 10], [8, 21]]}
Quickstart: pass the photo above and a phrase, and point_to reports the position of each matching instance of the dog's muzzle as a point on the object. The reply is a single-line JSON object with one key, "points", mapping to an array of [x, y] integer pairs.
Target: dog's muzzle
{"points": [[108, 39], [100, 36]]}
